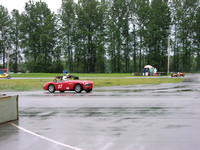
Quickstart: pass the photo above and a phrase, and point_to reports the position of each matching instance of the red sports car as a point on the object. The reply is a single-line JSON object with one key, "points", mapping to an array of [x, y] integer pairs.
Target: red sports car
{"points": [[68, 85]]}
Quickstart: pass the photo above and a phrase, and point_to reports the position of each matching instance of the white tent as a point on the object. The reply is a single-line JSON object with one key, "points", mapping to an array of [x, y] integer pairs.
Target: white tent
{"points": [[148, 66]]}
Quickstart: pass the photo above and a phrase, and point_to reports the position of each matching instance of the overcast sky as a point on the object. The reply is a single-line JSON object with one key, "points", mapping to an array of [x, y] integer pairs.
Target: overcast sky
{"points": [[54, 5]]}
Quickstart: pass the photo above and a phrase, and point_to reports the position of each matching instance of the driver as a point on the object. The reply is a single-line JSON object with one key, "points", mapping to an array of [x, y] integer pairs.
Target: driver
{"points": [[66, 77]]}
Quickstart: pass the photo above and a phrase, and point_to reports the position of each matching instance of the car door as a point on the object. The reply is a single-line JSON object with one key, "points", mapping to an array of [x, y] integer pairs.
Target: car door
{"points": [[60, 86], [65, 85], [71, 84]]}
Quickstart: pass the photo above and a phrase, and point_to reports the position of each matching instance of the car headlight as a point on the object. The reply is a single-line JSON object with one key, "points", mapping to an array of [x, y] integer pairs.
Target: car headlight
{"points": [[87, 84]]}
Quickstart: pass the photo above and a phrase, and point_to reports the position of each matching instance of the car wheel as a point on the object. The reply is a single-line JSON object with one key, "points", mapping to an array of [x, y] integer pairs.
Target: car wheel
{"points": [[78, 88], [62, 91], [8, 77], [88, 90], [51, 88]]}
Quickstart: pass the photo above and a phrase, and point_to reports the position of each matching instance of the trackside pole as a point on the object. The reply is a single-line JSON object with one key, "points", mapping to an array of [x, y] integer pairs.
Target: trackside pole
{"points": [[168, 55]]}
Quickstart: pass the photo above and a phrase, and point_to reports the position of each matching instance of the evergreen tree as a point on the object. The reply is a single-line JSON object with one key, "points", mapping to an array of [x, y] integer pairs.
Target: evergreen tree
{"points": [[143, 11], [196, 37], [68, 31], [174, 6], [126, 36], [89, 25], [4, 34], [15, 39], [39, 37], [119, 35], [101, 38], [185, 14], [158, 32]]}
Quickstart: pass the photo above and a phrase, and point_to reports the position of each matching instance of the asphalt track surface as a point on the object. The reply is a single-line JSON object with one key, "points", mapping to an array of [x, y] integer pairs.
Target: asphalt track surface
{"points": [[139, 117]]}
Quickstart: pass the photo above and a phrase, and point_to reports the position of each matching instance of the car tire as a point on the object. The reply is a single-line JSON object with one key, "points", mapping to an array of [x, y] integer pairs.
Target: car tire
{"points": [[8, 77], [51, 88], [88, 90], [78, 88], [62, 91]]}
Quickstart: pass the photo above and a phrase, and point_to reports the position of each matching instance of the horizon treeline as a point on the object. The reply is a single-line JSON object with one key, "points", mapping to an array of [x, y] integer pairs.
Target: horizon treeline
{"points": [[98, 36]]}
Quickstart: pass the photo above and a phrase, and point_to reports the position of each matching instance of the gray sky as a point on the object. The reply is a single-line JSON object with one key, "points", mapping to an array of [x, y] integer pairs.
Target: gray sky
{"points": [[54, 5]]}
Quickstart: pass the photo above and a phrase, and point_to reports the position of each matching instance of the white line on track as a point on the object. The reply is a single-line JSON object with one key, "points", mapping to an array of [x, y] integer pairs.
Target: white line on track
{"points": [[45, 138]]}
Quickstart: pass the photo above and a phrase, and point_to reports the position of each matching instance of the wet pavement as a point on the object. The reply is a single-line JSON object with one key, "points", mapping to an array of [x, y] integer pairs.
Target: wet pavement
{"points": [[135, 117]]}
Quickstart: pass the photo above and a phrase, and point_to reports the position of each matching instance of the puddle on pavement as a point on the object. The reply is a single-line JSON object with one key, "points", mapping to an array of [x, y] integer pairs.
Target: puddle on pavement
{"points": [[176, 126]]}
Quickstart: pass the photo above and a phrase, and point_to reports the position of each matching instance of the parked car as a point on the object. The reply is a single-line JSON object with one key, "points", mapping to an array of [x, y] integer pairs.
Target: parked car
{"points": [[5, 75]]}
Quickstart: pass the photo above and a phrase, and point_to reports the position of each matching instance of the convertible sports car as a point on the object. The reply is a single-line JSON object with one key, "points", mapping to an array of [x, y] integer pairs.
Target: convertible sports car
{"points": [[68, 85], [5, 75], [177, 74]]}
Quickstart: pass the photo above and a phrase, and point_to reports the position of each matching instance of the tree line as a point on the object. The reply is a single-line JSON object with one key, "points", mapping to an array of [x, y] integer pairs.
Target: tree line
{"points": [[93, 36]]}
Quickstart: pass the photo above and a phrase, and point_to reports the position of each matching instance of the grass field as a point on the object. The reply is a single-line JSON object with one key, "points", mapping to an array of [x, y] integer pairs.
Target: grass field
{"points": [[37, 84], [43, 75]]}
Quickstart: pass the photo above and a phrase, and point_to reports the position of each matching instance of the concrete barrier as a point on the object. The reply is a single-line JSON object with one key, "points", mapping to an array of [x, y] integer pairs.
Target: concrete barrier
{"points": [[8, 108]]}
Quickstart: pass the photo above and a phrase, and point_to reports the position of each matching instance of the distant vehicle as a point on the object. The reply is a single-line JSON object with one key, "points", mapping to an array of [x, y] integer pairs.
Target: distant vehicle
{"points": [[5, 75], [178, 74], [62, 85]]}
